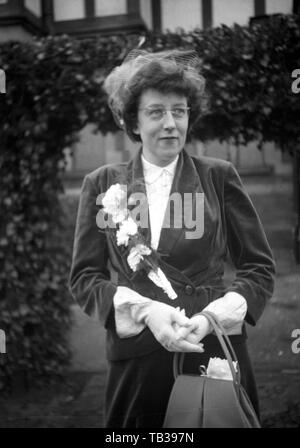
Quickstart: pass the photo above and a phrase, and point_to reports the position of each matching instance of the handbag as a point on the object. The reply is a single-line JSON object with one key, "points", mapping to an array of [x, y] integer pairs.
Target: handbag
{"points": [[198, 401]]}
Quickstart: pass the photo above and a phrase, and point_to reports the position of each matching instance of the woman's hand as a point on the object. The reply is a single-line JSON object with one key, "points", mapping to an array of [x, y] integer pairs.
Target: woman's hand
{"points": [[197, 330], [162, 320]]}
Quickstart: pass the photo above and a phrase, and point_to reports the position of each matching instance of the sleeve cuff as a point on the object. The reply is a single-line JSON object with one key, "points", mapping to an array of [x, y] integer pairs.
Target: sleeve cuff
{"points": [[128, 306], [231, 310]]}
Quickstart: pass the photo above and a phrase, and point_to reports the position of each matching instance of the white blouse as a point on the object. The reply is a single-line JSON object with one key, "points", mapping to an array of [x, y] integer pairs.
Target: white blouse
{"points": [[158, 186], [230, 309]]}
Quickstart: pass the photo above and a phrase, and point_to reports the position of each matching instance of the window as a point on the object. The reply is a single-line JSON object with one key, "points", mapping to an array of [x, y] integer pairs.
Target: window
{"points": [[68, 9], [279, 7], [235, 11], [110, 7], [176, 14], [34, 6]]}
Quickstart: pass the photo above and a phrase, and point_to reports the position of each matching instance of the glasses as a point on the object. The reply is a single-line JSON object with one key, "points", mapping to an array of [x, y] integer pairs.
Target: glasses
{"points": [[158, 113]]}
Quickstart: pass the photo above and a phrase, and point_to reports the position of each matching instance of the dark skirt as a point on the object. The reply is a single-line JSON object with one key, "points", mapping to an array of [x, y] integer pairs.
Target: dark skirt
{"points": [[138, 389]]}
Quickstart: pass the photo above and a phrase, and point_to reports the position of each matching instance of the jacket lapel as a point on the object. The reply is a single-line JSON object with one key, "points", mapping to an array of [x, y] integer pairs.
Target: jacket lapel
{"points": [[136, 184], [186, 180]]}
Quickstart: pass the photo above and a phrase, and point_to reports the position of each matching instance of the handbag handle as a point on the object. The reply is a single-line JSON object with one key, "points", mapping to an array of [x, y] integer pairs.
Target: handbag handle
{"points": [[225, 344]]}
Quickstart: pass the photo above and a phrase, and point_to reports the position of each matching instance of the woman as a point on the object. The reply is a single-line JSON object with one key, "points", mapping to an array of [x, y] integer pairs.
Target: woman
{"points": [[157, 98]]}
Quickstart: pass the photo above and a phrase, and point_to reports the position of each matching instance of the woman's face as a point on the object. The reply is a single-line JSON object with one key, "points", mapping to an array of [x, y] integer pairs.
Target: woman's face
{"points": [[163, 134]]}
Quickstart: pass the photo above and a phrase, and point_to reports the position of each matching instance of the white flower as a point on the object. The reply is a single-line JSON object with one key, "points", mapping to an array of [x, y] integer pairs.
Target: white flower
{"points": [[159, 278], [127, 228], [115, 202], [119, 217], [136, 255], [219, 368]]}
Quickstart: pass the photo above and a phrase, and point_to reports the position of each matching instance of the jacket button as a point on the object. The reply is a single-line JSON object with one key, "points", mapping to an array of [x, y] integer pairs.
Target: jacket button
{"points": [[189, 290]]}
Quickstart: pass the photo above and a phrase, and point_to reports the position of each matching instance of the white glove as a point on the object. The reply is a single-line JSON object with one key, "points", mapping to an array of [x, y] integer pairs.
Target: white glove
{"points": [[229, 309], [198, 329], [162, 320]]}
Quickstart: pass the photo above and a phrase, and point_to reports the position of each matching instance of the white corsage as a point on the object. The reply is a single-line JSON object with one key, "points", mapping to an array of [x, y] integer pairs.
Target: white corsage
{"points": [[159, 278], [128, 234], [128, 227], [115, 203]]}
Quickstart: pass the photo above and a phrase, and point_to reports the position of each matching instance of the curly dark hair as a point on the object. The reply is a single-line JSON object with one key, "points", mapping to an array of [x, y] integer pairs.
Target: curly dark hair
{"points": [[170, 71], [165, 76]]}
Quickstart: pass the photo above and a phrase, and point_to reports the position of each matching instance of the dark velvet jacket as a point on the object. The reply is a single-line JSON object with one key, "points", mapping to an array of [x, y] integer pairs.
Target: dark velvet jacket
{"points": [[195, 267]]}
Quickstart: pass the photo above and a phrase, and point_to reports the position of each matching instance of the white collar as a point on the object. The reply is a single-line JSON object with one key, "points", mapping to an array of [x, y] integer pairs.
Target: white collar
{"points": [[152, 171]]}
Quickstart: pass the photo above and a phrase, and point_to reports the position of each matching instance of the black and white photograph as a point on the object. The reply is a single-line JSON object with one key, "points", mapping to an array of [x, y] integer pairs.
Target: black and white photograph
{"points": [[149, 216]]}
